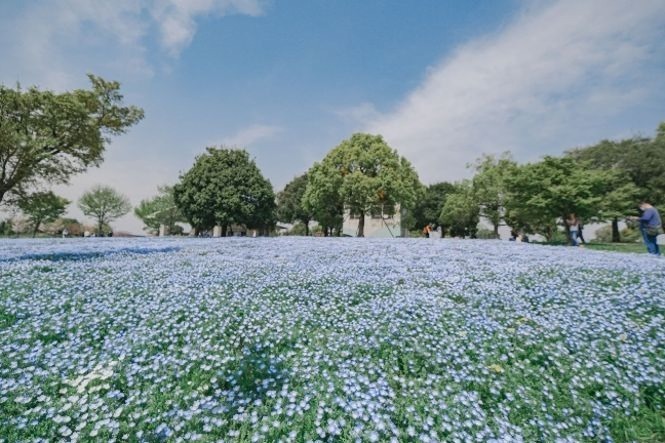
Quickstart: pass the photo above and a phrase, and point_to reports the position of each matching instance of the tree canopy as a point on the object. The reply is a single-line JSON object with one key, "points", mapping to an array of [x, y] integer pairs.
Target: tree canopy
{"points": [[290, 207], [104, 204], [42, 207], [428, 208], [489, 186], [160, 210], [223, 187], [46, 137], [460, 212], [541, 193], [362, 174]]}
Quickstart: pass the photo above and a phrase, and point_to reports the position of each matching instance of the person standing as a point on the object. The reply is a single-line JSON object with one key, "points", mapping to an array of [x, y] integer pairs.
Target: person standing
{"points": [[573, 229], [650, 226], [427, 230]]}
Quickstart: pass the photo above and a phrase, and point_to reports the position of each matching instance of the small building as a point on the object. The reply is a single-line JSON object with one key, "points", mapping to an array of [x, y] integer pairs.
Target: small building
{"points": [[384, 221]]}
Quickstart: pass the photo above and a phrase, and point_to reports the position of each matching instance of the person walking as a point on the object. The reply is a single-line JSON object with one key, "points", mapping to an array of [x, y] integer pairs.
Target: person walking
{"points": [[650, 226], [573, 229]]}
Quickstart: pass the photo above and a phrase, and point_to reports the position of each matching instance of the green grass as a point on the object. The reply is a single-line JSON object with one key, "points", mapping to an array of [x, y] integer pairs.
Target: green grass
{"points": [[618, 247]]}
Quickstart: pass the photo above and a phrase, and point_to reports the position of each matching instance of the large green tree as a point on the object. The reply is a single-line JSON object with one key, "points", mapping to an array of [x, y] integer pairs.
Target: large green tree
{"points": [[104, 204], [460, 212], [42, 207], [290, 207], [428, 208], [323, 200], [640, 166], [46, 137], [489, 186], [366, 175], [541, 193], [159, 211], [223, 187]]}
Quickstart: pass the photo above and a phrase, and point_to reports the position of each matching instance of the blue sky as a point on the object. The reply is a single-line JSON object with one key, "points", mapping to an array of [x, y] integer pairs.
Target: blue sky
{"points": [[443, 81]]}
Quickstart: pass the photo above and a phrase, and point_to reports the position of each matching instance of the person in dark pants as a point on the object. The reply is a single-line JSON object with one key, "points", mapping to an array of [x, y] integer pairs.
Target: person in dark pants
{"points": [[650, 226]]}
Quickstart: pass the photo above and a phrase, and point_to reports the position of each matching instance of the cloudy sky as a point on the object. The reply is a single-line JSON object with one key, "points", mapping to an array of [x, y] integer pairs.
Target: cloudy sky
{"points": [[442, 81]]}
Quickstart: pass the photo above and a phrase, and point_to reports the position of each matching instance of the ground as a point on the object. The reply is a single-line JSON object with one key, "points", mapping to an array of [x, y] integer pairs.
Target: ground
{"points": [[305, 339]]}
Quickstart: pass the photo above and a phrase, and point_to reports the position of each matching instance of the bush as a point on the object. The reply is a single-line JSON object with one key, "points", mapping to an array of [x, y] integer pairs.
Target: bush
{"points": [[628, 234], [486, 234], [297, 229], [6, 228]]}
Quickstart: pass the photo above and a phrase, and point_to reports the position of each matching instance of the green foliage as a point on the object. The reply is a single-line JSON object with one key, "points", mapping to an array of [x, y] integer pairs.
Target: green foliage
{"points": [[225, 187], [160, 210], [104, 204], [298, 229], [540, 193], [428, 208], [489, 186], [641, 161], [628, 234], [361, 173], [290, 207], [323, 199], [45, 137], [486, 234], [42, 207], [460, 212], [6, 227]]}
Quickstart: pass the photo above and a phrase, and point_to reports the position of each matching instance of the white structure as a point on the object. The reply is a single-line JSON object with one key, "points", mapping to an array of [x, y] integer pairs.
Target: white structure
{"points": [[381, 222]]}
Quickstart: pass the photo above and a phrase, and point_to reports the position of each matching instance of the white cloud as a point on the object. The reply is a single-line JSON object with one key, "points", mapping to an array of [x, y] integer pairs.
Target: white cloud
{"points": [[51, 43], [250, 135], [363, 112], [551, 78], [177, 18]]}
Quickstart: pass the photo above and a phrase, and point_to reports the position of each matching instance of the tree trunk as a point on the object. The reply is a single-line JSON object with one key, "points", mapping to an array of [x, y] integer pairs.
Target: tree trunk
{"points": [[224, 229], [34, 232], [496, 230], [361, 224], [567, 231], [100, 228], [306, 223], [616, 235]]}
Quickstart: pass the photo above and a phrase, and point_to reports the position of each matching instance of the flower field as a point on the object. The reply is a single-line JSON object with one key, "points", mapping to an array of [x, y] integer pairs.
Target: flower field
{"points": [[304, 339]]}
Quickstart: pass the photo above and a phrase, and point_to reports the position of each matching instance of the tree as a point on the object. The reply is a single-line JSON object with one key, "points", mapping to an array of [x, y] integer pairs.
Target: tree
{"points": [[540, 193], [160, 210], [460, 211], [42, 207], [323, 200], [489, 186], [104, 204], [428, 208], [290, 207], [640, 167], [225, 187], [46, 137], [366, 174]]}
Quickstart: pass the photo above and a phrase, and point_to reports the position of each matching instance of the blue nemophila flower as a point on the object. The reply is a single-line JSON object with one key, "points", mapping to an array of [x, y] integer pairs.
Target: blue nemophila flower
{"points": [[318, 339]]}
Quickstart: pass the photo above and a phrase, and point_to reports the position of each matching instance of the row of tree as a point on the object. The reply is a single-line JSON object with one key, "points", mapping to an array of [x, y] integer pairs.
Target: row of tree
{"points": [[46, 137], [102, 203], [603, 182], [364, 175], [225, 187]]}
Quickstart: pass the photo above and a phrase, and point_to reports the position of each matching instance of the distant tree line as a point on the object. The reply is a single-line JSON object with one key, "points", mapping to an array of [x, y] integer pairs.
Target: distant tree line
{"points": [[46, 137], [599, 183]]}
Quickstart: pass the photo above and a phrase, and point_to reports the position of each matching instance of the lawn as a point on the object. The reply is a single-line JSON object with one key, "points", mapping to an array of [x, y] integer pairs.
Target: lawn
{"points": [[618, 247], [305, 339]]}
